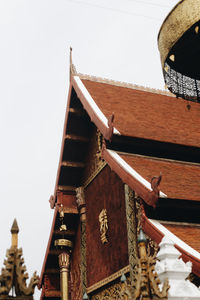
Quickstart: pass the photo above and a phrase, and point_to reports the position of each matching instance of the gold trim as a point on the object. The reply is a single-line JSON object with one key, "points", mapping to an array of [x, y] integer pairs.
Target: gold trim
{"points": [[94, 174], [185, 14], [63, 243], [108, 279]]}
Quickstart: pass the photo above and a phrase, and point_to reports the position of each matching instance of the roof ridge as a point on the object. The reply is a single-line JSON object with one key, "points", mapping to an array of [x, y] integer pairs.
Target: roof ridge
{"points": [[124, 84]]}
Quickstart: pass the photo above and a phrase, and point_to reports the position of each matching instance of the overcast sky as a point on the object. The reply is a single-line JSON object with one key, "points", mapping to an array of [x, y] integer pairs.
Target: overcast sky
{"points": [[115, 39]]}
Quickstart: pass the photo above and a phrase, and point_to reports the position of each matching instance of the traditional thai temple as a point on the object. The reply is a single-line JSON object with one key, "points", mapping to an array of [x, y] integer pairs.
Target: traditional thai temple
{"points": [[13, 275], [128, 178]]}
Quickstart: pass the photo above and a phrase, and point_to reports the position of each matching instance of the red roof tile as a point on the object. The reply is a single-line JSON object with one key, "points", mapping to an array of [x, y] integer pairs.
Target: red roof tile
{"points": [[147, 115], [179, 179], [187, 233]]}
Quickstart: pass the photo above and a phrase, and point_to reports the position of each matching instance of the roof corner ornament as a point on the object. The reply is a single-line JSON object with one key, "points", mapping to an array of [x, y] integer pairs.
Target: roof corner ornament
{"points": [[154, 194], [110, 129], [72, 68]]}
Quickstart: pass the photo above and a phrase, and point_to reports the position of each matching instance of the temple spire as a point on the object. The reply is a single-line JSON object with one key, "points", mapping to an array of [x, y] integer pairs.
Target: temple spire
{"points": [[14, 231], [13, 276]]}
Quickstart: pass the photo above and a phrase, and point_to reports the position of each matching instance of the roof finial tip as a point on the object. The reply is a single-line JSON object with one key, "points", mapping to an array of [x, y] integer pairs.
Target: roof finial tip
{"points": [[14, 228], [72, 67]]}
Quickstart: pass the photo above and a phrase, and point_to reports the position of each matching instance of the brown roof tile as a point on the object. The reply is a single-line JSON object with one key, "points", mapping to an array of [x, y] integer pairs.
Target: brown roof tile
{"points": [[179, 179], [146, 114], [188, 233]]}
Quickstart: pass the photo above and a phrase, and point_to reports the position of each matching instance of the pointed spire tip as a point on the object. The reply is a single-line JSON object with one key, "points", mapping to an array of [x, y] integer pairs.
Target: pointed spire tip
{"points": [[14, 228]]}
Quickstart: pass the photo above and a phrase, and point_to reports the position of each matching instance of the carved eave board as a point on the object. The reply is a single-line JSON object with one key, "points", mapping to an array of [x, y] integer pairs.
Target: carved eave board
{"points": [[128, 158]]}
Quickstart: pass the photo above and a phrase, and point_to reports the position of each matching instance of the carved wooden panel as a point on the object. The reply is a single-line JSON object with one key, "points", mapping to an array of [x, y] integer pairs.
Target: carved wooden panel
{"points": [[106, 191]]}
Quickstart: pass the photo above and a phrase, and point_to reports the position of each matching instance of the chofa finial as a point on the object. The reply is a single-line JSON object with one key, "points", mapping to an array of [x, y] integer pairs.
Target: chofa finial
{"points": [[72, 67]]}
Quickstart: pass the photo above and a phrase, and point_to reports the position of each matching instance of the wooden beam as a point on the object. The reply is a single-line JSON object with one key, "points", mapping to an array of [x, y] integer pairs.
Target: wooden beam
{"points": [[73, 164], [76, 138], [66, 188]]}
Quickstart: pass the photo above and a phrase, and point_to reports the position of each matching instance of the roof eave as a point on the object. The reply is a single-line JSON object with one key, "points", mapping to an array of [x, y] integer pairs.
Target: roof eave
{"points": [[48, 248], [129, 176]]}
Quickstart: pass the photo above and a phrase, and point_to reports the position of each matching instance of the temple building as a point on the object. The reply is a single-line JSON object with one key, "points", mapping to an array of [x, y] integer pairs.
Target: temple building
{"points": [[129, 165], [13, 275]]}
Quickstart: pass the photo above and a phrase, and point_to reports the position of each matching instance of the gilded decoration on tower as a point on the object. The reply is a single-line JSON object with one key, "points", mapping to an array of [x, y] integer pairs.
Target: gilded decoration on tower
{"points": [[103, 222], [13, 276]]}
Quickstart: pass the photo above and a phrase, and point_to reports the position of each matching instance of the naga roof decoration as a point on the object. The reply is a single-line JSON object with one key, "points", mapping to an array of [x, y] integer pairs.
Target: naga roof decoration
{"points": [[178, 42], [13, 276]]}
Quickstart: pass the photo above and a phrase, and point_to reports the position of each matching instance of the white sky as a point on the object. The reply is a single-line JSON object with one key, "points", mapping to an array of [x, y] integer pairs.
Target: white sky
{"points": [[116, 39]]}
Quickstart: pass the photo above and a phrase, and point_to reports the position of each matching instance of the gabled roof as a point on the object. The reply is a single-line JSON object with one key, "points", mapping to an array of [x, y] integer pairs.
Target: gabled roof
{"points": [[138, 113]]}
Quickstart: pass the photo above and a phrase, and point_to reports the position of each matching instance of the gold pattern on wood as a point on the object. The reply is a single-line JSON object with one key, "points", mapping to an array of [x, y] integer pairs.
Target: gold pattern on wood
{"points": [[83, 265], [152, 246], [117, 291], [131, 229], [94, 163], [81, 204], [80, 200], [108, 279], [103, 221]]}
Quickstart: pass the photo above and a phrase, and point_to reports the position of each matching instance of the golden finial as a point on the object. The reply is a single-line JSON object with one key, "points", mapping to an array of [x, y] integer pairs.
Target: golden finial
{"points": [[72, 69], [14, 231]]}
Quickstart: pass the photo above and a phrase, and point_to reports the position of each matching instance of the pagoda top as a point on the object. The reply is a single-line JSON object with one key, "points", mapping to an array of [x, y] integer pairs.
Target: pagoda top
{"points": [[179, 45], [13, 275]]}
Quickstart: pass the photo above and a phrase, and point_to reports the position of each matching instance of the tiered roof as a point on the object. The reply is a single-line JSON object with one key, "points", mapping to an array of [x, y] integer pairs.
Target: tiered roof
{"points": [[147, 133]]}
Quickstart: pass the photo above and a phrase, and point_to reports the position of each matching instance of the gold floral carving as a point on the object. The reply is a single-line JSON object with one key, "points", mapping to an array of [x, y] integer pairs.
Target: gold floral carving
{"points": [[117, 291], [131, 229], [80, 200], [103, 221], [108, 279]]}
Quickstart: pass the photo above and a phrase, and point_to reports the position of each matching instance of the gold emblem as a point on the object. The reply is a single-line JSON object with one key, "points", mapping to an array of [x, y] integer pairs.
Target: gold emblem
{"points": [[103, 220]]}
